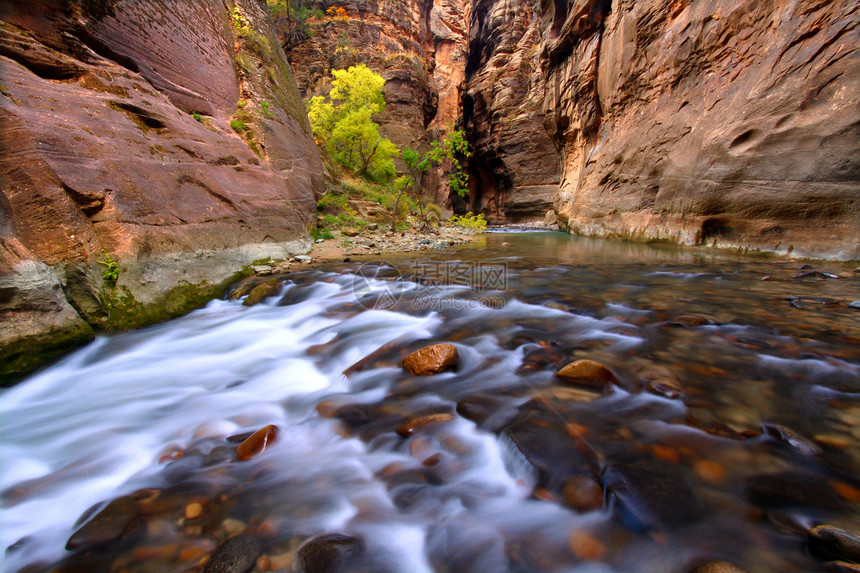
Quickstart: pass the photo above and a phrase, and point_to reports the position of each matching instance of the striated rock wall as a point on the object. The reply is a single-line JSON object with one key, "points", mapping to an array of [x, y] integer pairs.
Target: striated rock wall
{"points": [[102, 160], [515, 168], [727, 124]]}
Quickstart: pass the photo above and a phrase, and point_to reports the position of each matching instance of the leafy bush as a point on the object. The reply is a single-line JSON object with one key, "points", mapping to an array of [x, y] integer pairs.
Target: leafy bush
{"points": [[343, 122], [321, 234], [238, 125], [110, 272], [333, 203], [266, 110], [469, 221]]}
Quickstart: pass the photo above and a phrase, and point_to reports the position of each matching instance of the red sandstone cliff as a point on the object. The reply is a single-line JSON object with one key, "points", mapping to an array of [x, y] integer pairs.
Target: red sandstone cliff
{"points": [[101, 156], [730, 124]]}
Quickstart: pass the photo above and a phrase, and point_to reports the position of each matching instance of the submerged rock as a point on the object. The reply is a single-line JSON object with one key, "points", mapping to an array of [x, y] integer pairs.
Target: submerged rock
{"points": [[582, 494], [792, 488], [549, 447], [107, 525], [329, 553], [792, 438], [653, 495], [835, 543], [717, 567], [431, 360], [689, 321], [234, 555]]}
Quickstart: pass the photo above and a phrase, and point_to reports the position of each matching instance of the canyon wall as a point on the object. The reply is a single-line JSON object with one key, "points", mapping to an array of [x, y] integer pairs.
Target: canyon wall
{"points": [[515, 166], [730, 124], [149, 151]]}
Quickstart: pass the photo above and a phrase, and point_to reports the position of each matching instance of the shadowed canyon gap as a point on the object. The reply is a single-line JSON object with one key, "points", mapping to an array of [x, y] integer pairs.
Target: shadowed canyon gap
{"points": [[134, 133]]}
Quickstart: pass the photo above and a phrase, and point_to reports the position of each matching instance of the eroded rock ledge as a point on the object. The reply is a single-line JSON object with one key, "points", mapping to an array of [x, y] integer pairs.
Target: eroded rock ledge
{"points": [[118, 147]]}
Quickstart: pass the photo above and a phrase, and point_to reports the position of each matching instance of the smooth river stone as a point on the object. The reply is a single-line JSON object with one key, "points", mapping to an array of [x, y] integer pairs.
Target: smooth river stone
{"points": [[586, 372], [414, 424], [835, 543], [256, 443], [653, 495], [327, 553], [234, 555], [792, 438], [263, 291], [107, 525], [431, 360], [550, 448]]}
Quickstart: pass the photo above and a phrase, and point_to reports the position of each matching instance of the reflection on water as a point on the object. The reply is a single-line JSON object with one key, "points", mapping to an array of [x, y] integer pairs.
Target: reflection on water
{"points": [[729, 430]]}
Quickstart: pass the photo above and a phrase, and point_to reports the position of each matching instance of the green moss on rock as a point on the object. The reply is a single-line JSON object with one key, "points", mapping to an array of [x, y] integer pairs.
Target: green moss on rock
{"points": [[25, 355]]}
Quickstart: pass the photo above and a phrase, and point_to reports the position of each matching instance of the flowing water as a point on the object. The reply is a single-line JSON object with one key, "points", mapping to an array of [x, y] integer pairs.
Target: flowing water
{"points": [[494, 466]]}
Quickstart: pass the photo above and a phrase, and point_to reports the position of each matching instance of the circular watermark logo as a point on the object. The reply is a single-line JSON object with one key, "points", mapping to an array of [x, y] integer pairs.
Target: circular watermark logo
{"points": [[377, 286]]}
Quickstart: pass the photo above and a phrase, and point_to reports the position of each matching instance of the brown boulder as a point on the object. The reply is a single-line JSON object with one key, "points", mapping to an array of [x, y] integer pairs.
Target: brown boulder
{"points": [[262, 291], [431, 360], [586, 372]]}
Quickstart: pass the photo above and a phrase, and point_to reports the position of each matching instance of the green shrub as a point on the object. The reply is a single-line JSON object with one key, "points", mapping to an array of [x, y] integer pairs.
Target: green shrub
{"points": [[238, 125], [110, 272], [469, 221], [321, 234], [266, 110], [197, 117], [330, 220], [333, 203]]}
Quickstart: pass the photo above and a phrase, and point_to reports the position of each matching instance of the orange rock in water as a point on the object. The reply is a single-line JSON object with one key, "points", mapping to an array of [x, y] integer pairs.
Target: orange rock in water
{"points": [[665, 453], [845, 491], [193, 510], [587, 547], [710, 471], [582, 494], [587, 372], [409, 427], [256, 443], [431, 360]]}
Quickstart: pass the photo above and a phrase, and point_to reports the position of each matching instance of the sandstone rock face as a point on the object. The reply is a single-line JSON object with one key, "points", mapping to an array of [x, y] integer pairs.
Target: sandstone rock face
{"points": [[103, 157], [515, 167], [733, 124]]}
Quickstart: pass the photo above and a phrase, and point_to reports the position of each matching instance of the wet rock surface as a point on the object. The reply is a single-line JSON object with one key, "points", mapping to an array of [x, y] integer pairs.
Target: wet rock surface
{"points": [[653, 494], [432, 360], [234, 555], [330, 553], [835, 543]]}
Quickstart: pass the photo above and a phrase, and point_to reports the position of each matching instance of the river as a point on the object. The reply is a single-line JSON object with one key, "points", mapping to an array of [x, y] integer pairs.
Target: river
{"points": [[496, 465]]}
